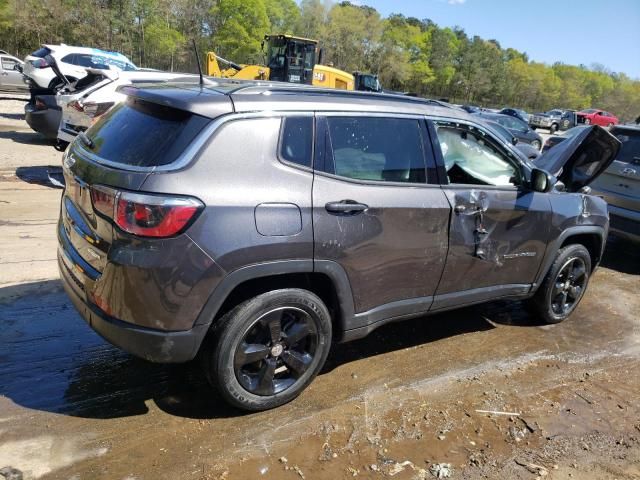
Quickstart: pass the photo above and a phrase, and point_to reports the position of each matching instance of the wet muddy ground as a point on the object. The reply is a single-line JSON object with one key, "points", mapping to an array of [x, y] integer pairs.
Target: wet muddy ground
{"points": [[483, 392]]}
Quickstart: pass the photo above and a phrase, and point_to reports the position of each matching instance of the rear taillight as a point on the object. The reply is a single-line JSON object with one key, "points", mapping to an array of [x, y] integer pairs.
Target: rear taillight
{"points": [[145, 215], [95, 110], [40, 63], [39, 104], [76, 105]]}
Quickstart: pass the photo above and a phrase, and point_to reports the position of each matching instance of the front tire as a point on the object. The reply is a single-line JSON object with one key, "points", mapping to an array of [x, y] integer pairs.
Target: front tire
{"points": [[536, 144], [267, 350], [553, 128], [564, 285]]}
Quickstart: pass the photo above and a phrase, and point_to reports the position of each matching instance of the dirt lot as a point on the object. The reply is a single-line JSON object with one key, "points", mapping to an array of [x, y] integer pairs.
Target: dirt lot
{"points": [[484, 392]]}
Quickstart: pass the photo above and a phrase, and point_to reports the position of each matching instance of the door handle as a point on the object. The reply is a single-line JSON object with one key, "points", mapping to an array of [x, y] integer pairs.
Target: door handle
{"points": [[346, 207], [460, 208]]}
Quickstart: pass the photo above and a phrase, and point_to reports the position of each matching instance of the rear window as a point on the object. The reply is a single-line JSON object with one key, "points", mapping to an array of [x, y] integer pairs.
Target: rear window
{"points": [[41, 52], [630, 148], [144, 134]]}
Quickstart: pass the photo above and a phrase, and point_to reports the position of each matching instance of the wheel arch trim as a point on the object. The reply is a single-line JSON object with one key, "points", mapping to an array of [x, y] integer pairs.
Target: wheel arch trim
{"points": [[331, 269], [552, 249]]}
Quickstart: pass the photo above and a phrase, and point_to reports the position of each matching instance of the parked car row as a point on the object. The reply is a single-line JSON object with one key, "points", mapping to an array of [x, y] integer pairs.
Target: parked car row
{"points": [[72, 87], [555, 119]]}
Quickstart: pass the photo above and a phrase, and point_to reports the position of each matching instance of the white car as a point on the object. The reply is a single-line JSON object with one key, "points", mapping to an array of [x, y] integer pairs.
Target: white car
{"points": [[10, 73], [96, 93], [72, 62]]}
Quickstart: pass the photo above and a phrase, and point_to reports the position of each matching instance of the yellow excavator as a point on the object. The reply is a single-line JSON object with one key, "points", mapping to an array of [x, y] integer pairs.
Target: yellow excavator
{"points": [[293, 59]]}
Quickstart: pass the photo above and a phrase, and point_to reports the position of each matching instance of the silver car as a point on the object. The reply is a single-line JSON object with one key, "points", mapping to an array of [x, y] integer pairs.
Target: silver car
{"points": [[11, 74], [620, 184]]}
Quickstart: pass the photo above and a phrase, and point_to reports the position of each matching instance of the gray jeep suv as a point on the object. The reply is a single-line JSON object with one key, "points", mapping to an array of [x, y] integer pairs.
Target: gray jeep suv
{"points": [[255, 224]]}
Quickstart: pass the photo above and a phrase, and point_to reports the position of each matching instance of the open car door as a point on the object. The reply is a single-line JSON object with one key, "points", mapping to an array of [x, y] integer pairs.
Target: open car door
{"points": [[579, 160]]}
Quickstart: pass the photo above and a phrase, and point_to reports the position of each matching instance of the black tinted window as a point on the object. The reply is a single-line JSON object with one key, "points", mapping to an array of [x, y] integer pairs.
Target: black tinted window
{"points": [[381, 149], [297, 140], [144, 134]]}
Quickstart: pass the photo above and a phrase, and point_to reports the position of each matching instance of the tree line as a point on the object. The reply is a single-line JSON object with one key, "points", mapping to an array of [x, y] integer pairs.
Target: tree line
{"points": [[408, 54]]}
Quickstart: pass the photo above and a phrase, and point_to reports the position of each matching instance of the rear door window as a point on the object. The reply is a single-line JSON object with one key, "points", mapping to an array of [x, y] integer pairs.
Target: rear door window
{"points": [[144, 134], [376, 149], [296, 140]]}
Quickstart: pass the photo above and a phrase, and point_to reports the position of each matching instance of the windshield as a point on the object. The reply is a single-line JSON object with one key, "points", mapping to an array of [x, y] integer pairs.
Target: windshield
{"points": [[276, 53], [369, 83], [119, 64]]}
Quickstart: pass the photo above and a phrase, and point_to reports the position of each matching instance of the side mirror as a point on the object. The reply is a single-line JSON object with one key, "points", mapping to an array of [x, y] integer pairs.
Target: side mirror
{"points": [[541, 181]]}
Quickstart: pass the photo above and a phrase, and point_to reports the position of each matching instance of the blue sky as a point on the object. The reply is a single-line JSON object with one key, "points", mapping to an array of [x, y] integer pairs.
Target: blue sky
{"points": [[569, 31]]}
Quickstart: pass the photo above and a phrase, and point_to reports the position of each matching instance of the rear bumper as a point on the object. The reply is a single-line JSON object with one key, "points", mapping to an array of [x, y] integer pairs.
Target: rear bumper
{"points": [[45, 122], [150, 344]]}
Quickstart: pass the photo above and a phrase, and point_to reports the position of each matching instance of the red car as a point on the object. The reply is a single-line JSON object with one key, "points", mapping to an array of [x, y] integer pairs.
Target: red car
{"points": [[593, 116]]}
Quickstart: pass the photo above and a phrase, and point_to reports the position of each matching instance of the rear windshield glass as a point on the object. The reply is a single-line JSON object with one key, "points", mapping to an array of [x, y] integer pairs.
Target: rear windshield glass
{"points": [[630, 148], [41, 52], [144, 134]]}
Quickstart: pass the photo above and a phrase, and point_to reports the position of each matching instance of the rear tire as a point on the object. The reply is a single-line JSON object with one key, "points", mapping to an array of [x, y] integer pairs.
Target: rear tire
{"points": [[267, 350], [587, 121], [564, 285], [536, 144]]}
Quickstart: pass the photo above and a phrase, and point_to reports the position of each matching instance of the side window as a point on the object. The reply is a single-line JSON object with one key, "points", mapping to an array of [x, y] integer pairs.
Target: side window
{"points": [[471, 157], [82, 60], [8, 63], [376, 148], [72, 58], [296, 140]]}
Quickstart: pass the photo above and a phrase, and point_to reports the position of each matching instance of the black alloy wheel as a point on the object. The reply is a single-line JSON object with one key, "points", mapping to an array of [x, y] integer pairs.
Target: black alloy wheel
{"points": [[264, 352], [276, 351], [564, 285], [569, 286]]}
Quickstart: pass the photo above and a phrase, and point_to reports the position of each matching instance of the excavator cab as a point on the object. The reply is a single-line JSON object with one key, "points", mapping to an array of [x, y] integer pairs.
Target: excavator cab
{"points": [[366, 82], [290, 59]]}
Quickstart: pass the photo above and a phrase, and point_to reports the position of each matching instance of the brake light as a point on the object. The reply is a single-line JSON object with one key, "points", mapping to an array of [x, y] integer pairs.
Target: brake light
{"points": [[40, 63], [94, 110], [39, 104], [146, 215], [76, 105]]}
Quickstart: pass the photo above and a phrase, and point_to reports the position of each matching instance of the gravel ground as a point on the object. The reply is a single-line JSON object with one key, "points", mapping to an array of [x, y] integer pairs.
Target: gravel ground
{"points": [[483, 392]]}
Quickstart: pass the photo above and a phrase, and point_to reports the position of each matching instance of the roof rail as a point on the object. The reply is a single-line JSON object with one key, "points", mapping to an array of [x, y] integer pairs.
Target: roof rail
{"points": [[269, 88]]}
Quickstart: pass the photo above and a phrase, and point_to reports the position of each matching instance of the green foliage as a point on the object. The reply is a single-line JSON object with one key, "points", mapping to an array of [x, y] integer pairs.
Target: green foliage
{"points": [[408, 54]]}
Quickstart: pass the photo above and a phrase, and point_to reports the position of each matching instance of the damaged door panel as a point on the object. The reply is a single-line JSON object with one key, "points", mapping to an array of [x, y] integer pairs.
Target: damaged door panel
{"points": [[497, 237], [499, 226]]}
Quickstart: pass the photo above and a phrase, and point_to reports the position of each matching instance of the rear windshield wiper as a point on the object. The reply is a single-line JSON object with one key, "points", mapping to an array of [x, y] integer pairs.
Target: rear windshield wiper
{"points": [[86, 140]]}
